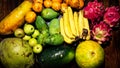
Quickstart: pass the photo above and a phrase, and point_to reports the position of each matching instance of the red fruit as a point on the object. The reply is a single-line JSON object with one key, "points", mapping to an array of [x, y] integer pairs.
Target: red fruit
{"points": [[112, 16], [101, 32], [94, 10]]}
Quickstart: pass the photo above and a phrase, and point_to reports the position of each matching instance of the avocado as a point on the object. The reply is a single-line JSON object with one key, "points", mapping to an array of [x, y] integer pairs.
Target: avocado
{"points": [[49, 13]]}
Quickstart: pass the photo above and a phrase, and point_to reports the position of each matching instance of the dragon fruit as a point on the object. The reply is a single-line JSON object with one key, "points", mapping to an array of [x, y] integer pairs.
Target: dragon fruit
{"points": [[112, 15], [101, 32], [94, 10]]}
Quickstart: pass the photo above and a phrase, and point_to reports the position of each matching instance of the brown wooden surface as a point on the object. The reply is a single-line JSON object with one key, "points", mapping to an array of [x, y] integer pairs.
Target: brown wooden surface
{"points": [[112, 51]]}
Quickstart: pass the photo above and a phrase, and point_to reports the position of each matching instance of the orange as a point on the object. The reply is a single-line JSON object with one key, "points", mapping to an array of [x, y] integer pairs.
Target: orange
{"points": [[60, 1], [56, 6], [40, 1], [47, 3], [30, 17], [37, 7]]}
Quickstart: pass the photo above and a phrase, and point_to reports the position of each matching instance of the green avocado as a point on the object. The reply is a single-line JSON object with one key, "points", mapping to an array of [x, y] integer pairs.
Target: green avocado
{"points": [[49, 14]]}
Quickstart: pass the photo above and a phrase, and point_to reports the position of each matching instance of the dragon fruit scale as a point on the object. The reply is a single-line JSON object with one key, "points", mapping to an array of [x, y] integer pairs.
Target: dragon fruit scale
{"points": [[94, 10], [101, 32], [112, 15]]}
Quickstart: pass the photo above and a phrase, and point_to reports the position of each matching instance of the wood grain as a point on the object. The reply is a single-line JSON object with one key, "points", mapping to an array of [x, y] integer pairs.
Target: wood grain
{"points": [[112, 51]]}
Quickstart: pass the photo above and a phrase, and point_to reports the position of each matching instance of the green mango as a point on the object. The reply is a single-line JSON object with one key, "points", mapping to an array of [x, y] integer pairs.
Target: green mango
{"points": [[54, 26], [49, 14]]}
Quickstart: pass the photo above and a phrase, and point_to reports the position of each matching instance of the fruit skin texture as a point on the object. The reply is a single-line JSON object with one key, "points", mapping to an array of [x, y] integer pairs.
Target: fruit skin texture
{"points": [[16, 53], [55, 39], [89, 54], [54, 57], [94, 10], [40, 24], [101, 32], [49, 14], [112, 15], [54, 26], [15, 18]]}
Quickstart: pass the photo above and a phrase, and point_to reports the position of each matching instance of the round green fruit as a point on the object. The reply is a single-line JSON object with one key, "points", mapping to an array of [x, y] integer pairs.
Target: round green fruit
{"points": [[37, 48], [28, 29], [89, 54]]}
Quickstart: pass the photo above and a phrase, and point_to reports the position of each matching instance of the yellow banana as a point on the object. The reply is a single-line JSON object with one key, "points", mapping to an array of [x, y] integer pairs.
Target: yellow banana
{"points": [[76, 22], [86, 26], [67, 25], [80, 24], [66, 39], [71, 21]]}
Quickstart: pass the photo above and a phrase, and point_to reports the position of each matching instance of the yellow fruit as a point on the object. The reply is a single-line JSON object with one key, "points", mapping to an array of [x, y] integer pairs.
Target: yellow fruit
{"points": [[30, 17], [62, 31], [89, 54], [71, 21]]}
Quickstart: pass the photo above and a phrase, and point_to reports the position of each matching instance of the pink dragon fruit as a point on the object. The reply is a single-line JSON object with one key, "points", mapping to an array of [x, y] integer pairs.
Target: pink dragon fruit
{"points": [[94, 10], [112, 15], [101, 32]]}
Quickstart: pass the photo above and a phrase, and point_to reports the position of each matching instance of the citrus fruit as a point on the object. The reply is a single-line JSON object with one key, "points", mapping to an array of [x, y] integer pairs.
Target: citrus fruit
{"points": [[89, 54]]}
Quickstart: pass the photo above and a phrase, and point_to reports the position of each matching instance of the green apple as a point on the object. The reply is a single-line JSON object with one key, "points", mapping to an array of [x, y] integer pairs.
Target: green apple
{"points": [[32, 42], [89, 54], [28, 29], [19, 32], [36, 33], [37, 48], [26, 37]]}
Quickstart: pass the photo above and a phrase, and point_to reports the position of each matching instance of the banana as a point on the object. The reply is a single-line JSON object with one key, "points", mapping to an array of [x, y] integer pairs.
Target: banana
{"points": [[80, 24], [71, 21], [66, 39], [66, 25], [75, 15], [86, 26]]}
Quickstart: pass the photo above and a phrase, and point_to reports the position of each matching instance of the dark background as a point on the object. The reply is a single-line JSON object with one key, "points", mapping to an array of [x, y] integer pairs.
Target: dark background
{"points": [[112, 50]]}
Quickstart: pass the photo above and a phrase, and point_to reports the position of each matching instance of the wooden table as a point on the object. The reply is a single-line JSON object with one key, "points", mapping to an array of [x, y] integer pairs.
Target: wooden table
{"points": [[112, 51]]}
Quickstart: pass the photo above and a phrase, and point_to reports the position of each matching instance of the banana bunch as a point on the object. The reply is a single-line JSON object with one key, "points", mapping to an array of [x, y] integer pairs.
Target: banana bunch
{"points": [[74, 26]]}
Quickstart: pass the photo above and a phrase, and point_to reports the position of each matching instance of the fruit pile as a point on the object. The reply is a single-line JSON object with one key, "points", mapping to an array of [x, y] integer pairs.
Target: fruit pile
{"points": [[52, 28]]}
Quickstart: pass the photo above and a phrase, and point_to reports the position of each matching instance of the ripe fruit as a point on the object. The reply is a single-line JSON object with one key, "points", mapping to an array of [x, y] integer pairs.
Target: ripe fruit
{"points": [[28, 29], [26, 37], [56, 5], [60, 1], [39, 1], [35, 33], [32, 42], [101, 32], [30, 17], [63, 7], [19, 32], [89, 54], [37, 48], [37, 7], [47, 3]]}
